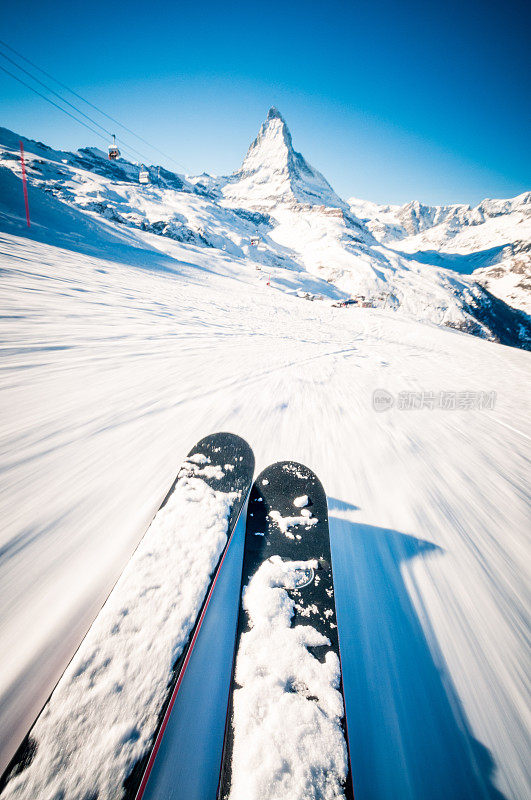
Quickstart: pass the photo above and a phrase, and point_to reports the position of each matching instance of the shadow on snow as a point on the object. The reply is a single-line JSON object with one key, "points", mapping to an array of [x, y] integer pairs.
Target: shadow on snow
{"points": [[408, 731], [463, 263]]}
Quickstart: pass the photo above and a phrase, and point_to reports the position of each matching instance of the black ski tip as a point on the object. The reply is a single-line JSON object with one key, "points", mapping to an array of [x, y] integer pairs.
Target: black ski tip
{"points": [[223, 438], [222, 449], [278, 483], [215, 443]]}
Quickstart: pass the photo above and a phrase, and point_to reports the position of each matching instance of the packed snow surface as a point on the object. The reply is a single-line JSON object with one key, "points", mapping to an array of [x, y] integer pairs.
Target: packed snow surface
{"points": [[288, 740], [103, 713]]}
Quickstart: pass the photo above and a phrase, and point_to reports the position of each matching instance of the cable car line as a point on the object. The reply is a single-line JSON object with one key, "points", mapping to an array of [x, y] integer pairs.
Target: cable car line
{"points": [[56, 94], [52, 102], [68, 103], [92, 105]]}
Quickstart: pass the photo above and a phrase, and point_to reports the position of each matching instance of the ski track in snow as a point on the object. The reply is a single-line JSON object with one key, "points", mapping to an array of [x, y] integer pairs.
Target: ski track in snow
{"points": [[111, 373]]}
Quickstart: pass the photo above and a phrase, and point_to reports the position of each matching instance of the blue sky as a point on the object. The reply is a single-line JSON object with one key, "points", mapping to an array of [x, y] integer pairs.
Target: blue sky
{"points": [[392, 101]]}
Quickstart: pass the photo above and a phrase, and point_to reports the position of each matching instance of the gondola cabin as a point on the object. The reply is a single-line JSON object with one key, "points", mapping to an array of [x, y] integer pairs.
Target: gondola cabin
{"points": [[114, 153], [143, 175], [255, 241]]}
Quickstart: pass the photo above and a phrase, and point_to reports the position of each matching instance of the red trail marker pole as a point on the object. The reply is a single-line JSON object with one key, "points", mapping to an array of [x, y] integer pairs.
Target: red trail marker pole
{"points": [[24, 183]]}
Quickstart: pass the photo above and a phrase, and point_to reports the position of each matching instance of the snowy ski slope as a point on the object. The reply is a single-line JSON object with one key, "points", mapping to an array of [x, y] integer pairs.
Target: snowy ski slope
{"points": [[122, 348]]}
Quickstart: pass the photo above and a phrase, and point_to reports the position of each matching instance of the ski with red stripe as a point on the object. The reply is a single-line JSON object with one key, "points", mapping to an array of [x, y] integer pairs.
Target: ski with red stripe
{"points": [[104, 721]]}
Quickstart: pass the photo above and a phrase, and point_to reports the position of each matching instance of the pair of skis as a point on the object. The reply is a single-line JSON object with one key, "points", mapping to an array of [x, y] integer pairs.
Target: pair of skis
{"points": [[285, 733]]}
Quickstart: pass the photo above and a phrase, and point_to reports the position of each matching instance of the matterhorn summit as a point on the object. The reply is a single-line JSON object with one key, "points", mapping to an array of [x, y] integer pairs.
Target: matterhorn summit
{"points": [[273, 172]]}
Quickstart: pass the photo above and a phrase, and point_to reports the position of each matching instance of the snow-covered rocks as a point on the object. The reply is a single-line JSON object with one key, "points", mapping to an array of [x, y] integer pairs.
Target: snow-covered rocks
{"points": [[288, 740]]}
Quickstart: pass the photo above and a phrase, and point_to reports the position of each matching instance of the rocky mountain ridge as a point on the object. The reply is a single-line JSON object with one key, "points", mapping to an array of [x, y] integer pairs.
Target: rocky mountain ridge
{"points": [[278, 213]]}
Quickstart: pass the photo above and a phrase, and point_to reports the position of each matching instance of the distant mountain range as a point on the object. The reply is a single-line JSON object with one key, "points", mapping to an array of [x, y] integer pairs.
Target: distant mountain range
{"points": [[466, 268], [492, 240]]}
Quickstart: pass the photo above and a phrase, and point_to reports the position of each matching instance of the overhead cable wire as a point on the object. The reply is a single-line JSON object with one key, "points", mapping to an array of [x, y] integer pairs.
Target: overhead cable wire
{"points": [[53, 103], [124, 145], [92, 105], [56, 94]]}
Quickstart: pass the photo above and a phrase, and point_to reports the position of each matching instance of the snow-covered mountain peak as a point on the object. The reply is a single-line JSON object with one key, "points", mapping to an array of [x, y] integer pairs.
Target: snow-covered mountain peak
{"points": [[274, 113], [273, 172], [273, 147]]}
